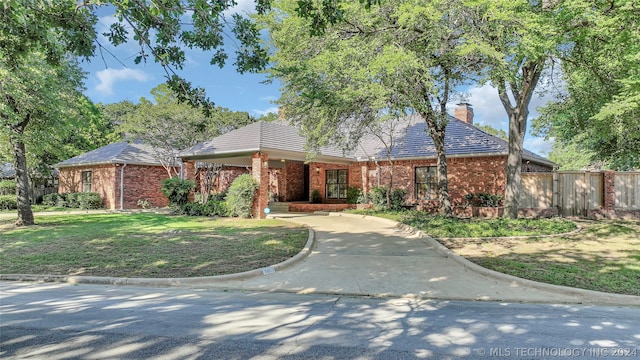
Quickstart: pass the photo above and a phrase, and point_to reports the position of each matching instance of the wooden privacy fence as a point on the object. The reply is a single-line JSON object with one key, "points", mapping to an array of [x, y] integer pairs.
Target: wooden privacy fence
{"points": [[582, 193]]}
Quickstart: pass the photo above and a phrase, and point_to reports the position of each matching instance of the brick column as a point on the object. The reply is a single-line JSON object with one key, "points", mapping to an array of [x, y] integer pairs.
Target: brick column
{"points": [[609, 189], [260, 172], [189, 173]]}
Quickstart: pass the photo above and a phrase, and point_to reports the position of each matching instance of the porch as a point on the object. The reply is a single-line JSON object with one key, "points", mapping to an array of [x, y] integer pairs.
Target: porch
{"points": [[306, 207]]}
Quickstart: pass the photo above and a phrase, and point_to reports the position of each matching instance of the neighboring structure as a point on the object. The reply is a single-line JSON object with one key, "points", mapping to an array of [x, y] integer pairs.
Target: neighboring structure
{"points": [[122, 173], [278, 160], [39, 185], [7, 171]]}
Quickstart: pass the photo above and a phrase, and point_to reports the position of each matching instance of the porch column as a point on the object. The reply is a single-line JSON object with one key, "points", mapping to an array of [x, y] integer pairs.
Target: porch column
{"points": [[260, 172]]}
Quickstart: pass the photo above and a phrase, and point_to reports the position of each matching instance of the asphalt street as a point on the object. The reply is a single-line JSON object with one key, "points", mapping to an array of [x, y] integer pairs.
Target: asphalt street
{"points": [[62, 321]]}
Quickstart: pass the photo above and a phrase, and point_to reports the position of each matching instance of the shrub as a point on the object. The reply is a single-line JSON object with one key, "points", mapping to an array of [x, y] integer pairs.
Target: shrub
{"points": [[73, 200], [378, 198], [144, 203], [483, 199], [177, 191], [89, 200], [240, 195], [61, 200], [8, 202], [397, 199], [354, 195], [7, 187], [315, 197], [50, 199]]}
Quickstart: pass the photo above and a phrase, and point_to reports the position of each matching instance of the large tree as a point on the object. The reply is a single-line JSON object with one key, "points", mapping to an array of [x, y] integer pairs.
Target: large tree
{"points": [[598, 109], [54, 30], [373, 63], [518, 38], [170, 126], [37, 99]]}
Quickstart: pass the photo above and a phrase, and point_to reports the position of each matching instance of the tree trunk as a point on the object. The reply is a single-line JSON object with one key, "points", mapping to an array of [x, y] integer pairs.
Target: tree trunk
{"points": [[25, 215], [518, 113], [441, 168], [517, 128]]}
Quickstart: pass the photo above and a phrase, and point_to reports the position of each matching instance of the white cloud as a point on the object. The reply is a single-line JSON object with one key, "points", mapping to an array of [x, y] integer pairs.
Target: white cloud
{"points": [[109, 77], [273, 110], [539, 146], [242, 7]]}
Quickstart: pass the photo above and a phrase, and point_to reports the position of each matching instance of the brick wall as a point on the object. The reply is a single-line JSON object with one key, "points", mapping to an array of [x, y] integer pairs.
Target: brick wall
{"points": [[102, 182], [293, 179], [142, 183]]}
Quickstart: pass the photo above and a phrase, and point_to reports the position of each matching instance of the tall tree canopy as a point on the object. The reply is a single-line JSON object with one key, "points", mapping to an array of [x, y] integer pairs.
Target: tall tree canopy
{"points": [[598, 110], [37, 100], [170, 126], [46, 33], [340, 77]]}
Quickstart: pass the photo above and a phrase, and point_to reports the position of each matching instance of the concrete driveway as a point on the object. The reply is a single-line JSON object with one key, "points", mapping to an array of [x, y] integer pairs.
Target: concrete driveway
{"points": [[363, 255]]}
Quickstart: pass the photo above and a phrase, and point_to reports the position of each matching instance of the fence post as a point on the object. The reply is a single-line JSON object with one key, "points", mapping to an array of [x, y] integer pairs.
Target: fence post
{"points": [[609, 196], [555, 192]]}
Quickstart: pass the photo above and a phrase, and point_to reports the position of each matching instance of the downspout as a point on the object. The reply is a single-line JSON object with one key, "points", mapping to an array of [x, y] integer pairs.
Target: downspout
{"points": [[122, 186]]}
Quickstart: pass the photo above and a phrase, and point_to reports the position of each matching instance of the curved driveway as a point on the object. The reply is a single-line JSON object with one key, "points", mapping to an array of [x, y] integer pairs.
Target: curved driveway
{"points": [[363, 255]]}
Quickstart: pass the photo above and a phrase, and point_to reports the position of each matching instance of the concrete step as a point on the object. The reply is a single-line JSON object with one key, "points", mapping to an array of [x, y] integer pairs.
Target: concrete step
{"points": [[279, 207]]}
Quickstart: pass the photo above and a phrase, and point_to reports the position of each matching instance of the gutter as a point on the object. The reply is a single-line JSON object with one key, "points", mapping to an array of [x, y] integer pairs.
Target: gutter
{"points": [[122, 186]]}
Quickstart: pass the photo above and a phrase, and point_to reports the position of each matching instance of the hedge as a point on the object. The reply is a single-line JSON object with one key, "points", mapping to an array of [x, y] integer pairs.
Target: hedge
{"points": [[84, 200], [8, 202]]}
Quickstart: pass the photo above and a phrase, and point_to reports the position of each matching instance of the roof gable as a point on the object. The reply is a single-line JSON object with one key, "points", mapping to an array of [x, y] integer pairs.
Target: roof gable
{"points": [[115, 153]]}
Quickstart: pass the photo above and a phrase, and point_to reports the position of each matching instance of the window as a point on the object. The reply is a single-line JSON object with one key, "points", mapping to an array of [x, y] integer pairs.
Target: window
{"points": [[426, 183], [337, 184], [86, 181]]}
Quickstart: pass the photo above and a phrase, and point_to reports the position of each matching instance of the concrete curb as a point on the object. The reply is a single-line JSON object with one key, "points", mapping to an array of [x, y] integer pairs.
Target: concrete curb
{"points": [[583, 296], [105, 280]]}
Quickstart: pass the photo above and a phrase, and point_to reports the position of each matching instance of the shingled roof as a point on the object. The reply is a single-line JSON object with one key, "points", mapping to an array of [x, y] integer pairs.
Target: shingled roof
{"points": [[274, 138], [412, 141], [116, 153]]}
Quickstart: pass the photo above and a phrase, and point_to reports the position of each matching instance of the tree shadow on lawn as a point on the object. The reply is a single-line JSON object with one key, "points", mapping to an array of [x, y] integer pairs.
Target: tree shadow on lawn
{"points": [[605, 256]]}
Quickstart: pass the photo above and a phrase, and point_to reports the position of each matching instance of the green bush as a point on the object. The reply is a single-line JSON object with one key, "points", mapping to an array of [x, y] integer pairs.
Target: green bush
{"points": [[483, 199], [73, 200], [61, 200], [8, 202], [378, 198], [177, 191], [354, 195], [210, 208], [50, 199], [7, 187], [316, 198], [88, 200], [240, 195]]}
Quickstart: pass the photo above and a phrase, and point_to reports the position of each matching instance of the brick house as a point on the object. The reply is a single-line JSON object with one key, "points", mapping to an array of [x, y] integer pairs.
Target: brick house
{"points": [[278, 160], [122, 173]]}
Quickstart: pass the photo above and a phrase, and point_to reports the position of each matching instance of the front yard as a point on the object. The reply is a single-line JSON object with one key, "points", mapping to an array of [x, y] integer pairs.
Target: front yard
{"points": [[145, 245]]}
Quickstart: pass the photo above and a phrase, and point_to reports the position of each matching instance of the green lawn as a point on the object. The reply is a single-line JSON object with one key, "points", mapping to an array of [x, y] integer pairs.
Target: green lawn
{"points": [[145, 245]]}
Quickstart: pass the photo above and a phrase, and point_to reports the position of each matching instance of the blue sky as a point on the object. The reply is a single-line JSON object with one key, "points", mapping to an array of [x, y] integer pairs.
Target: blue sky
{"points": [[111, 80]]}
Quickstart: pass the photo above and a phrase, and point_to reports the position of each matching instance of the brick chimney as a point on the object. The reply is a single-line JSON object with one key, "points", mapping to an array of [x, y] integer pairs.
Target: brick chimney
{"points": [[464, 112]]}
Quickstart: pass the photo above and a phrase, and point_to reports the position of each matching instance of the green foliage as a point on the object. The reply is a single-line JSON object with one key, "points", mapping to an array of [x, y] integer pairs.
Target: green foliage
{"points": [[240, 196], [83, 200], [8, 202], [143, 203], [378, 197], [484, 199], [177, 191], [210, 208], [7, 187], [354, 195], [316, 198]]}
